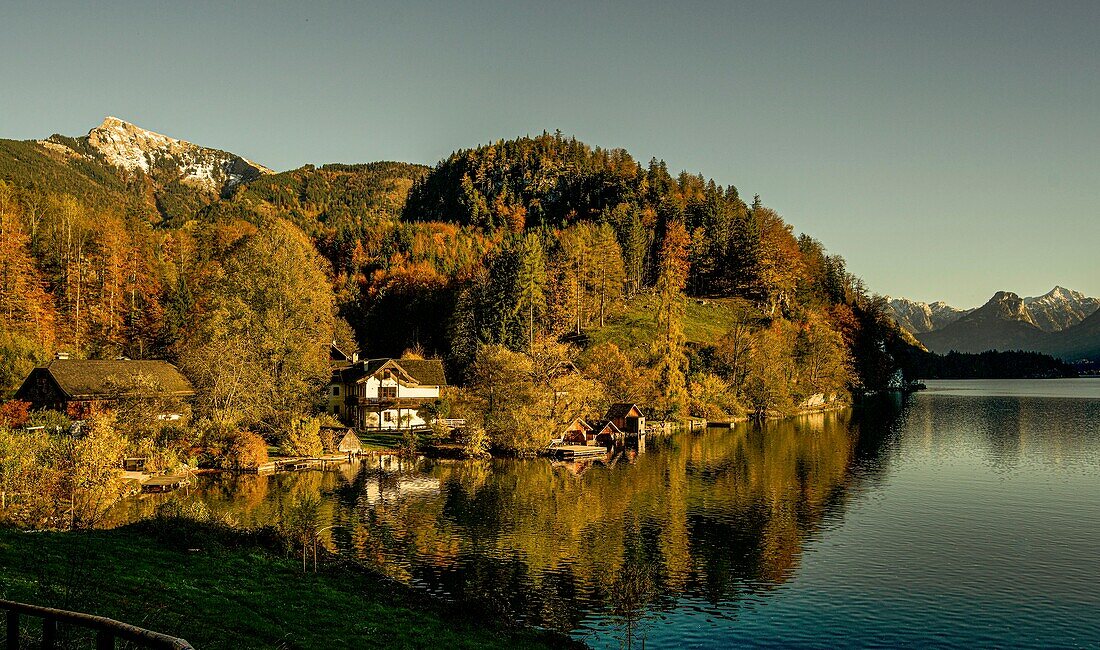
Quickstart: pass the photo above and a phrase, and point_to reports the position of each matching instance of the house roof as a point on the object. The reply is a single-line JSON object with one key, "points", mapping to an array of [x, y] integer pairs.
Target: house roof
{"points": [[335, 437], [426, 372], [84, 378], [579, 424], [336, 354], [606, 426], [621, 410]]}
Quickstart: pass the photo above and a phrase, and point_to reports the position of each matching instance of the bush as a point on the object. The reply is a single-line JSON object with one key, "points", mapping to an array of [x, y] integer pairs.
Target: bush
{"points": [[303, 439], [523, 433], [475, 442], [713, 398], [14, 414], [410, 443], [51, 420], [244, 450]]}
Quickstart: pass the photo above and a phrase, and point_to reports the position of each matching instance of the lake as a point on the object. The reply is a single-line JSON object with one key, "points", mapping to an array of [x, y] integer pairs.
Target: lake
{"points": [[965, 515]]}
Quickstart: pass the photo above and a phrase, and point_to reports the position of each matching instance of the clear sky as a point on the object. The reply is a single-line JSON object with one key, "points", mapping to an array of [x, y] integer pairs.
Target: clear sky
{"points": [[947, 150]]}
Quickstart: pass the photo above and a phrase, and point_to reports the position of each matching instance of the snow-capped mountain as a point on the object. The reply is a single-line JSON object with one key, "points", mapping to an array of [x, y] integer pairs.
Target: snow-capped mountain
{"points": [[1003, 323], [1054, 311], [1060, 308], [1061, 322], [162, 159], [919, 317]]}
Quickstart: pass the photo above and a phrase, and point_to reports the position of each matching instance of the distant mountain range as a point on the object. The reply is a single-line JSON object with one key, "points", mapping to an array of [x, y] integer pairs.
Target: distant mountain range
{"points": [[1062, 323]]}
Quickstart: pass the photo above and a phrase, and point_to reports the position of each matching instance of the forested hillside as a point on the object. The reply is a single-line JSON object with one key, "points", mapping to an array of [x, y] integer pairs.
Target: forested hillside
{"points": [[511, 259]]}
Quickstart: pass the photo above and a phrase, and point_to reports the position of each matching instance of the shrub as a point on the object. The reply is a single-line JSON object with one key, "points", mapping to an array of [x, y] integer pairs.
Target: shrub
{"points": [[303, 439], [244, 450], [50, 420], [14, 414], [475, 442], [713, 398]]}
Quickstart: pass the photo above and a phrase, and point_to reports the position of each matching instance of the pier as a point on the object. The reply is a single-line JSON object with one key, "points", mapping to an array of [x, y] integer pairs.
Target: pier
{"points": [[570, 452]]}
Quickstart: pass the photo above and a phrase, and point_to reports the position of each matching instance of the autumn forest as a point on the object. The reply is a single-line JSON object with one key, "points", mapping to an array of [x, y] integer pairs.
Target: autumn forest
{"points": [[510, 261]]}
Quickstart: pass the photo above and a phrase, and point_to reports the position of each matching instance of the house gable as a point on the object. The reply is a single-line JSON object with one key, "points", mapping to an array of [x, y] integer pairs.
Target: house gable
{"points": [[42, 390], [623, 410]]}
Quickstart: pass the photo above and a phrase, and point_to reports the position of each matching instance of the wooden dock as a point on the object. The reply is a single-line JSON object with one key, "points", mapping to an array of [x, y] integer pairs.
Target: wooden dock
{"points": [[165, 483], [568, 452], [296, 464]]}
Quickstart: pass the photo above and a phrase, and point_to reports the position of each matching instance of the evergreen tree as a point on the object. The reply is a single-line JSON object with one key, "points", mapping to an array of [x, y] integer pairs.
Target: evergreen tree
{"points": [[743, 256]]}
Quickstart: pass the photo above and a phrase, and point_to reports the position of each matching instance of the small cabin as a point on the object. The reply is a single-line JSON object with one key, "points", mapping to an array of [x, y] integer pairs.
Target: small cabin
{"points": [[340, 440], [134, 464], [579, 433], [607, 433], [628, 418]]}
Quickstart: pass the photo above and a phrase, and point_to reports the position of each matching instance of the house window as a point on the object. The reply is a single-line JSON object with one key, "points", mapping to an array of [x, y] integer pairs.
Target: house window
{"points": [[387, 392], [387, 417], [335, 391]]}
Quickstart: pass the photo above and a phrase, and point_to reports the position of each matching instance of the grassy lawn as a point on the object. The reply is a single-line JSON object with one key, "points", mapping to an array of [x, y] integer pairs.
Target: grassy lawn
{"points": [[375, 440], [231, 592], [635, 328]]}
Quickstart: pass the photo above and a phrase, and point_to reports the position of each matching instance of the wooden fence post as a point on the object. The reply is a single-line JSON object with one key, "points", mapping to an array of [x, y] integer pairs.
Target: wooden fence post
{"points": [[49, 633], [13, 630], [104, 640]]}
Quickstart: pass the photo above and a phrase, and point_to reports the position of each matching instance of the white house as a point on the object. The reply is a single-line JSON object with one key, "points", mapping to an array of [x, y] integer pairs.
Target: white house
{"points": [[385, 393]]}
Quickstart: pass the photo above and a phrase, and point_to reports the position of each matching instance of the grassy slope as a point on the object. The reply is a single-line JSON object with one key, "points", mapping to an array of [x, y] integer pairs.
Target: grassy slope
{"points": [[232, 597], [635, 328]]}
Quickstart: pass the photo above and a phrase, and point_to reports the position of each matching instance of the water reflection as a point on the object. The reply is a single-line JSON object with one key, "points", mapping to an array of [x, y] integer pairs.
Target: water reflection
{"points": [[707, 536], [710, 515]]}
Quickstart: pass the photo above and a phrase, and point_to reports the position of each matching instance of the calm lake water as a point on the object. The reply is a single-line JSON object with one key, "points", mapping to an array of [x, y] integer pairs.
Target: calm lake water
{"points": [[966, 516]]}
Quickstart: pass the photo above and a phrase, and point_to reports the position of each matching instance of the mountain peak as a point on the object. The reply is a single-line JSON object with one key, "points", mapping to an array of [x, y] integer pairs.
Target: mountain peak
{"points": [[1060, 308], [917, 317], [112, 121], [131, 148], [1061, 293], [1007, 305]]}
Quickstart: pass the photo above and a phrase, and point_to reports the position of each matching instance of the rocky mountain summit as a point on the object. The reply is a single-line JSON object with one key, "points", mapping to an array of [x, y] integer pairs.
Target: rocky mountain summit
{"points": [[1003, 323], [1061, 322], [1060, 308], [175, 175], [165, 159], [1056, 310], [919, 317]]}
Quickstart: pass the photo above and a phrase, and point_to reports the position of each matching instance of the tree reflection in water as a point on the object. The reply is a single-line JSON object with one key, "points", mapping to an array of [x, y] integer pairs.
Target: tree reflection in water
{"points": [[710, 516]]}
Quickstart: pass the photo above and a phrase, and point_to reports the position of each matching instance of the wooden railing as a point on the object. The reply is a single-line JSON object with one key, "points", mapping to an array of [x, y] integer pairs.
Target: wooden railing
{"points": [[106, 630]]}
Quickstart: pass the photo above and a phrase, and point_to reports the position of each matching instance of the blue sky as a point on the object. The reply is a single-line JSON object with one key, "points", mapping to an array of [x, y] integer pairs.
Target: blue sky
{"points": [[947, 150]]}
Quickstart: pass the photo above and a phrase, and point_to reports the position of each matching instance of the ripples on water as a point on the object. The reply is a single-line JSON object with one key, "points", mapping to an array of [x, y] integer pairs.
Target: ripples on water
{"points": [[967, 516]]}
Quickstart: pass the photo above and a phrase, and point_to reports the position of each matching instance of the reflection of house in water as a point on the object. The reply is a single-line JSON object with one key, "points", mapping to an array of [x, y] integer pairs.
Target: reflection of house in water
{"points": [[390, 479], [575, 467], [393, 487]]}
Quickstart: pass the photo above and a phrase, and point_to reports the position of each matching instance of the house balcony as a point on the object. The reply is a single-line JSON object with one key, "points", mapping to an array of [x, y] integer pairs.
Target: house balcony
{"points": [[389, 402]]}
